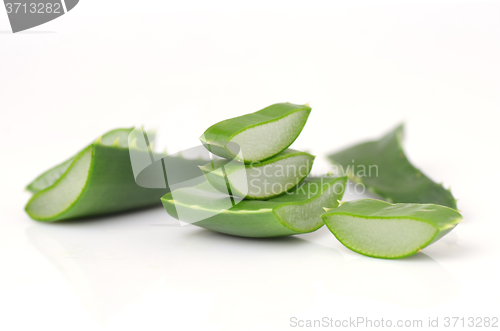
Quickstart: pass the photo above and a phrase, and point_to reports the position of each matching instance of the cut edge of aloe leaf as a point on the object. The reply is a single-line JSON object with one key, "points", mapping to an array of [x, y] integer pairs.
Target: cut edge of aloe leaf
{"points": [[402, 172], [49, 177], [319, 203], [263, 180], [281, 216], [255, 134], [380, 229], [59, 197], [54, 200]]}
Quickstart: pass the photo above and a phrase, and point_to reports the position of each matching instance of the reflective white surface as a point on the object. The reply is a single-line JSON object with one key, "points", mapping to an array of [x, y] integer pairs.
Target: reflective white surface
{"points": [[364, 69]]}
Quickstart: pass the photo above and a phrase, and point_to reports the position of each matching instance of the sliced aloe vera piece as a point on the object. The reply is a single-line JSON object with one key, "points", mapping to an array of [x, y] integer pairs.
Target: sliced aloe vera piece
{"points": [[262, 180], [259, 135], [379, 229], [98, 180], [383, 167], [295, 212], [49, 177]]}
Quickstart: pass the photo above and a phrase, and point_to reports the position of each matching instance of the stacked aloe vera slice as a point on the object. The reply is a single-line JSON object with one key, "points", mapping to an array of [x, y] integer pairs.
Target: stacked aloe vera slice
{"points": [[419, 211], [258, 186]]}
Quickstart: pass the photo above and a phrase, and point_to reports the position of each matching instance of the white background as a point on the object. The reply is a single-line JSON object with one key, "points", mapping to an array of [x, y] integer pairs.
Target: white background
{"points": [[364, 67]]}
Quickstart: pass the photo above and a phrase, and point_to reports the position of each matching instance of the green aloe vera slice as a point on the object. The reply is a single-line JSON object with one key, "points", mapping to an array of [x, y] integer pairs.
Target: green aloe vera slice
{"points": [[98, 180], [382, 166], [295, 212], [258, 135], [262, 180], [379, 229]]}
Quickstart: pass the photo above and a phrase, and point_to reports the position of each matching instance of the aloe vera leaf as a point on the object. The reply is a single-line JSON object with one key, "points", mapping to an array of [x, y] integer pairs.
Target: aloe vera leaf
{"points": [[262, 180], [379, 229], [49, 177], [382, 166], [291, 213], [259, 135], [98, 180]]}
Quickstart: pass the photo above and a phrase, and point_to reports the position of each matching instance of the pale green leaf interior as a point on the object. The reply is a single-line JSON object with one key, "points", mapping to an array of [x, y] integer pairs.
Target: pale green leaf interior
{"points": [[381, 237], [271, 179], [53, 201], [66, 189], [307, 216], [265, 140], [49, 177]]}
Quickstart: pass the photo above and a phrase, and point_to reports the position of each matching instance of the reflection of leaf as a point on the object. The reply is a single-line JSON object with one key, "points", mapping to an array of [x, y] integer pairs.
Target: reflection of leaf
{"points": [[418, 281], [121, 268], [100, 260], [116, 262]]}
